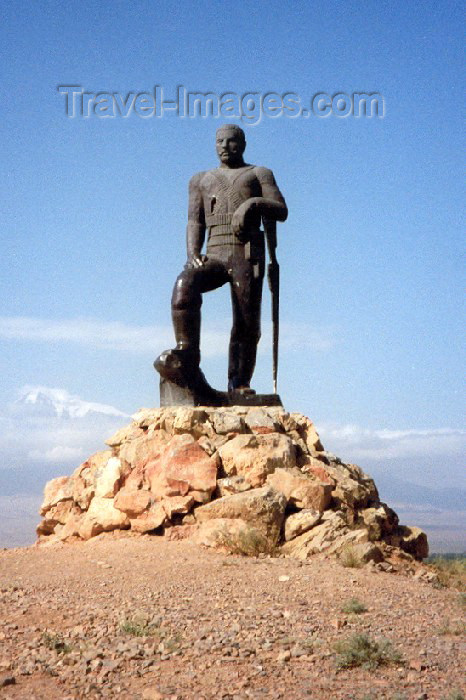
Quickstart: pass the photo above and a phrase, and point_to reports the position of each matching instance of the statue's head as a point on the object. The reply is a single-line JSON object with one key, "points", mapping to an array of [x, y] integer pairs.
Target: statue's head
{"points": [[230, 144]]}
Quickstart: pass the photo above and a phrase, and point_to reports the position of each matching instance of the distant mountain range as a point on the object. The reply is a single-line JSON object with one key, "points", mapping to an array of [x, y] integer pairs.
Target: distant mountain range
{"points": [[45, 402]]}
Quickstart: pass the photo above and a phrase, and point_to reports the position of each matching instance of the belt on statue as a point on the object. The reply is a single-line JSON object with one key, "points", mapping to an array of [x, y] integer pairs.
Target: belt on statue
{"points": [[222, 235], [218, 219]]}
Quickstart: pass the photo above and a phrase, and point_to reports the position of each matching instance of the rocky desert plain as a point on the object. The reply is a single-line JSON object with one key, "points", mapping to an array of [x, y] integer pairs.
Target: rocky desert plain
{"points": [[224, 553]]}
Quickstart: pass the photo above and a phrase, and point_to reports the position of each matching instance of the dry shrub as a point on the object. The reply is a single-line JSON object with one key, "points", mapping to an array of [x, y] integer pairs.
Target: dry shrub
{"points": [[452, 628], [350, 558], [139, 626], [247, 543], [353, 606], [360, 650], [55, 642]]}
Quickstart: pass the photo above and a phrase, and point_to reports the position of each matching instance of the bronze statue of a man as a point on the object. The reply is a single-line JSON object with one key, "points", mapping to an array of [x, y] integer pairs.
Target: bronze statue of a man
{"points": [[229, 203]]}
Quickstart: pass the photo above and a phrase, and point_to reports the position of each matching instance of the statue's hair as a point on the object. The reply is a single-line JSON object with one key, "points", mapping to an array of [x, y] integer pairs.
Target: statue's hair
{"points": [[233, 127]]}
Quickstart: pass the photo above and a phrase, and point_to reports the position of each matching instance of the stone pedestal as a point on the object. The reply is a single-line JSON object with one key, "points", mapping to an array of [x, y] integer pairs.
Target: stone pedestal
{"points": [[173, 395], [242, 478]]}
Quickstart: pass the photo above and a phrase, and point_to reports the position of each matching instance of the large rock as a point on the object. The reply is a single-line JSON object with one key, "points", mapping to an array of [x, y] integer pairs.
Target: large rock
{"points": [[307, 431], [256, 456], [379, 521], [150, 519], [319, 538], [411, 540], [84, 478], [58, 514], [263, 507], [298, 523], [132, 502], [225, 422], [56, 490], [138, 452], [261, 421], [353, 488], [108, 480], [301, 490], [102, 516], [181, 467]]}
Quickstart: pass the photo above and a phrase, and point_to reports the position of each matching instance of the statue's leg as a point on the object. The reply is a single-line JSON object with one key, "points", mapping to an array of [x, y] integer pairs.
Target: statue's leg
{"points": [[187, 302], [186, 314], [181, 365], [246, 295]]}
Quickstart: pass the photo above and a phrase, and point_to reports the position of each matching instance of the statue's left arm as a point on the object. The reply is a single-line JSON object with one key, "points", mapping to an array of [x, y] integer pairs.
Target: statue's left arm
{"points": [[271, 205]]}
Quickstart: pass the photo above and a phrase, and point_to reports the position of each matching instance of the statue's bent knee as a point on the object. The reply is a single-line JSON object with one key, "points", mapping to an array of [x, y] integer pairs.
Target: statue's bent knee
{"points": [[186, 294]]}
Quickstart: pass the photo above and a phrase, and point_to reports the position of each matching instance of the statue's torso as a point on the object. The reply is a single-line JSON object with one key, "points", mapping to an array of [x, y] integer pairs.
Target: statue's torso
{"points": [[223, 190]]}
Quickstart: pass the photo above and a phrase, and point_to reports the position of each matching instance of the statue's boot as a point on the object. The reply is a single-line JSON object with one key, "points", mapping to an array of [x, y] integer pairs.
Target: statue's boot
{"points": [[181, 365]]}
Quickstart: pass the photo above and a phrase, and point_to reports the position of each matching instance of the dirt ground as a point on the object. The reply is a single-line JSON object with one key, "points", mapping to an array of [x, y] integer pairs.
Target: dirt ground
{"points": [[143, 617]]}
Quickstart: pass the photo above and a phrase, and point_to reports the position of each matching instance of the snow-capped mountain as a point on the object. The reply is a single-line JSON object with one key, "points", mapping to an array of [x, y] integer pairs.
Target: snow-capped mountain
{"points": [[47, 402]]}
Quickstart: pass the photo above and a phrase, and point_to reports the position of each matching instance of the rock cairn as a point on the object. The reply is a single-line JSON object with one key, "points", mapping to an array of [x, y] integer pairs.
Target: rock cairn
{"points": [[242, 479]]}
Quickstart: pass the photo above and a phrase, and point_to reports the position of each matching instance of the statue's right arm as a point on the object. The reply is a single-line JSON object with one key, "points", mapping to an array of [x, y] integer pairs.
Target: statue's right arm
{"points": [[195, 232]]}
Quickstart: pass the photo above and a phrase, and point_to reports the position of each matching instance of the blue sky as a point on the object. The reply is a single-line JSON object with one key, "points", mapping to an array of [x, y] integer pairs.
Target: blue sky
{"points": [[94, 212]]}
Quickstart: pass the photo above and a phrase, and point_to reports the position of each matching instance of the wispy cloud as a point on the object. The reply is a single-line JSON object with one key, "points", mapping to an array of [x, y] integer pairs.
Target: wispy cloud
{"points": [[58, 454], [91, 332], [389, 444], [52, 441], [124, 337]]}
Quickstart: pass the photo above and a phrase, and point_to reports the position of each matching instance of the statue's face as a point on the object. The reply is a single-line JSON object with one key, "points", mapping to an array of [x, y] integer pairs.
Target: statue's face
{"points": [[230, 146]]}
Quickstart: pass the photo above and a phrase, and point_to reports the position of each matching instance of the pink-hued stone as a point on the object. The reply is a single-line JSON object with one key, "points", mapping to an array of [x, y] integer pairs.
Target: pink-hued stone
{"points": [[300, 489], [319, 471], [182, 467], [178, 505], [150, 520], [133, 503]]}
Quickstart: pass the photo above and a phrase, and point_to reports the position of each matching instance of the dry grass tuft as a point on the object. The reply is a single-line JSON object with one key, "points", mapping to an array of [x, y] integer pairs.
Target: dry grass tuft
{"points": [[246, 543], [139, 626], [350, 558], [360, 650], [353, 606], [56, 643], [452, 628]]}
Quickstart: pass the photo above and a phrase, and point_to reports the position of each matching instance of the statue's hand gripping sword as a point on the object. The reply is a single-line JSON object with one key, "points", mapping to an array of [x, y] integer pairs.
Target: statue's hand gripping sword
{"points": [[273, 276]]}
